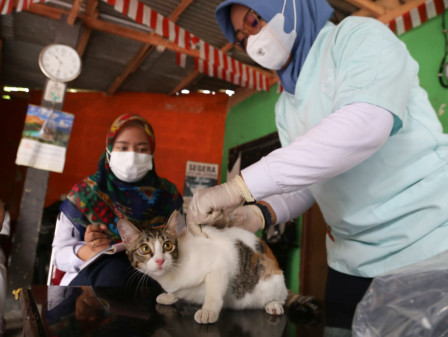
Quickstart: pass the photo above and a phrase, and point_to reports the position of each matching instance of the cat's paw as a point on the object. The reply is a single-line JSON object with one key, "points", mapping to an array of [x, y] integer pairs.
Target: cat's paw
{"points": [[166, 299], [206, 316], [274, 308], [303, 310]]}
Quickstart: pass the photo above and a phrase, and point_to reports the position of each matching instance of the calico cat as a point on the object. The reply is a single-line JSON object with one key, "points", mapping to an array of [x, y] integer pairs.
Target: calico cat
{"points": [[231, 268]]}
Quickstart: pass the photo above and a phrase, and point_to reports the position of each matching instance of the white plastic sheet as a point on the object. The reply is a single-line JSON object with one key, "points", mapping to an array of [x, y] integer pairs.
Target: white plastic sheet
{"points": [[410, 302]]}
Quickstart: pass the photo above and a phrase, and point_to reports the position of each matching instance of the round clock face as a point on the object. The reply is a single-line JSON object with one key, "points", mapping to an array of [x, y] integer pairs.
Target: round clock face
{"points": [[60, 62]]}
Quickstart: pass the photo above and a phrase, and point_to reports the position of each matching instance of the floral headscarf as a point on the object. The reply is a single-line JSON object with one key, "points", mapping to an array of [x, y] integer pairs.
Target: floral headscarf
{"points": [[124, 120], [103, 199]]}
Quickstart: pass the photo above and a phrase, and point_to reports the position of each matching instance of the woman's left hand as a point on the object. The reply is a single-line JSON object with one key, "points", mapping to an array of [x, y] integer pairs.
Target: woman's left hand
{"points": [[96, 240]]}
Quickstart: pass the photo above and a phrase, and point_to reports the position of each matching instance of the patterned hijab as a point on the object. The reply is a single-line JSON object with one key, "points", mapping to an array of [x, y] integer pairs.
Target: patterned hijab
{"points": [[103, 199], [312, 15]]}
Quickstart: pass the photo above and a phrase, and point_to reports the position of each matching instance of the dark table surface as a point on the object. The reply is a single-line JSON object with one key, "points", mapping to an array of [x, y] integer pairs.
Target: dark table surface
{"points": [[97, 312]]}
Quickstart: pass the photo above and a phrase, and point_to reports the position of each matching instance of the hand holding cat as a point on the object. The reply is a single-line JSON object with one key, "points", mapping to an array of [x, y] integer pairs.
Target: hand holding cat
{"points": [[247, 217], [96, 240], [207, 204]]}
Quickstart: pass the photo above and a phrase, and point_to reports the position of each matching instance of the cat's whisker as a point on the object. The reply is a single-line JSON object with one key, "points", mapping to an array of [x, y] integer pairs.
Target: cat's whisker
{"points": [[143, 282], [135, 278]]}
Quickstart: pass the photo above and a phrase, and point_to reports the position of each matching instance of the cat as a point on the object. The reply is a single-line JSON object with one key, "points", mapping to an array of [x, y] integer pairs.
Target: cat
{"points": [[231, 268]]}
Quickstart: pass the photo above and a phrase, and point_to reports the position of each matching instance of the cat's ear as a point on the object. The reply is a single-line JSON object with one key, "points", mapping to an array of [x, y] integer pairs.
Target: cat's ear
{"points": [[175, 224], [128, 231]]}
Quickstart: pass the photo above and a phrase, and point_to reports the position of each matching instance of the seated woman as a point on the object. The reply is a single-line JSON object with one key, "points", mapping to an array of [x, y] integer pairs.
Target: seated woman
{"points": [[126, 185]]}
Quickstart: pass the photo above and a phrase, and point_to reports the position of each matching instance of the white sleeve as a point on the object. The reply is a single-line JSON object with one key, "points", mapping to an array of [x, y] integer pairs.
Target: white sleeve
{"points": [[338, 143], [288, 206], [66, 243]]}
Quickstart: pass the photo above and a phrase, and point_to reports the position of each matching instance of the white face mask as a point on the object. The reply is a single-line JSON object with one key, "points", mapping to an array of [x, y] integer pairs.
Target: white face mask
{"points": [[271, 47], [130, 166]]}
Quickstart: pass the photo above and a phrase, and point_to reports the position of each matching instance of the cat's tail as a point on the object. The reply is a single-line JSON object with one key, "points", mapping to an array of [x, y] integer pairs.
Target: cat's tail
{"points": [[301, 308]]}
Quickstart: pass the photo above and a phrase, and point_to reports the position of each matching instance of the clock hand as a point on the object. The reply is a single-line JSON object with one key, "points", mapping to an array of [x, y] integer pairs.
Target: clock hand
{"points": [[57, 58]]}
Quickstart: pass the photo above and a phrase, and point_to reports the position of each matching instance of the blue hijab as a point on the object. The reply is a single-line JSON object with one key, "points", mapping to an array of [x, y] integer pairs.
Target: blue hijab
{"points": [[311, 17]]}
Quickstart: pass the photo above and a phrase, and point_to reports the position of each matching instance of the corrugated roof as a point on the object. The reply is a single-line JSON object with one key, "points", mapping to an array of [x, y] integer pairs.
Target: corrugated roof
{"points": [[108, 54]]}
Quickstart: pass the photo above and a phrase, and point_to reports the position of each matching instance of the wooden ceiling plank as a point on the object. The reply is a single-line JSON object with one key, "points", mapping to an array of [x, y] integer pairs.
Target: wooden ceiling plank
{"points": [[174, 16], [125, 32], [388, 5], [43, 10], [108, 27], [74, 12], [370, 6], [242, 93], [92, 8], [190, 78], [144, 51], [83, 40], [138, 58], [92, 11], [407, 7], [129, 33], [226, 47]]}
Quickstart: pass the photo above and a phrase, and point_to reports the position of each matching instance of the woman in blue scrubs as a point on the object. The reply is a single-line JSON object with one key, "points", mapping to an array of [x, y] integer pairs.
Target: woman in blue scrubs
{"points": [[359, 137]]}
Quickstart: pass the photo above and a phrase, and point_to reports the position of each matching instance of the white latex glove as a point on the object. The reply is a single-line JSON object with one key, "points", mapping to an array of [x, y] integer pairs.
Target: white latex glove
{"points": [[247, 217], [207, 204]]}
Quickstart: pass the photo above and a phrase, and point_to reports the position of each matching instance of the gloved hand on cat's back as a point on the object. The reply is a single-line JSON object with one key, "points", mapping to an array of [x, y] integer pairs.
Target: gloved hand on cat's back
{"points": [[247, 217], [207, 204]]}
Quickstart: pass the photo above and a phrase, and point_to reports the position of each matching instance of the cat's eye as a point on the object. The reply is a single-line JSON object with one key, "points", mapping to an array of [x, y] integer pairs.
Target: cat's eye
{"points": [[144, 249], [168, 246]]}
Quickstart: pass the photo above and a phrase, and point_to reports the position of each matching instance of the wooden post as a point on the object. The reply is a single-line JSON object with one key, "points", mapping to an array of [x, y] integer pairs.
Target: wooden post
{"points": [[25, 240]]}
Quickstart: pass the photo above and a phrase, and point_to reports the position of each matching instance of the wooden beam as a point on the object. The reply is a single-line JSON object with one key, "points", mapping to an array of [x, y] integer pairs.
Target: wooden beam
{"points": [[133, 34], [407, 7], [191, 77], [242, 93], [226, 47], [138, 58], [107, 27], [143, 53], [369, 6], [125, 32], [92, 11], [174, 16], [74, 12]]}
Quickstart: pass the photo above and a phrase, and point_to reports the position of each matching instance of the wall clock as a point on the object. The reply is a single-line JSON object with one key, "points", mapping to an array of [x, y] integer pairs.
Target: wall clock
{"points": [[60, 62]]}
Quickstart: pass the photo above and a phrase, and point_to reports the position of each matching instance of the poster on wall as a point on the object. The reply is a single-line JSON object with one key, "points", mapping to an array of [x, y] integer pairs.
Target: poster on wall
{"points": [[45, 138], [198, 176], [248, 153]]}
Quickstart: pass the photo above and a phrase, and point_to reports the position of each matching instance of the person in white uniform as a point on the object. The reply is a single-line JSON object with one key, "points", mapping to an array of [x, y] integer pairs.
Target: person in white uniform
{"points": [[359, 137]]}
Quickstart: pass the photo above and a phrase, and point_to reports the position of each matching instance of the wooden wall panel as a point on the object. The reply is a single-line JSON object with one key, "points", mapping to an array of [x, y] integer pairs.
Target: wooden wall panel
{"points": [[313, 259]]}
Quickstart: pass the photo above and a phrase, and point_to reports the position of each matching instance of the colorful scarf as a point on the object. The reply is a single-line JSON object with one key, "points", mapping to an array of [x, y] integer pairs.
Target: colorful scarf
{"points": [[312, 15], [103, 199]]}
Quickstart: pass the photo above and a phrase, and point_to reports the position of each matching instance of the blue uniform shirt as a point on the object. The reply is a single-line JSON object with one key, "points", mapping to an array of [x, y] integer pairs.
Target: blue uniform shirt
{"points": [[392, 209]]}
